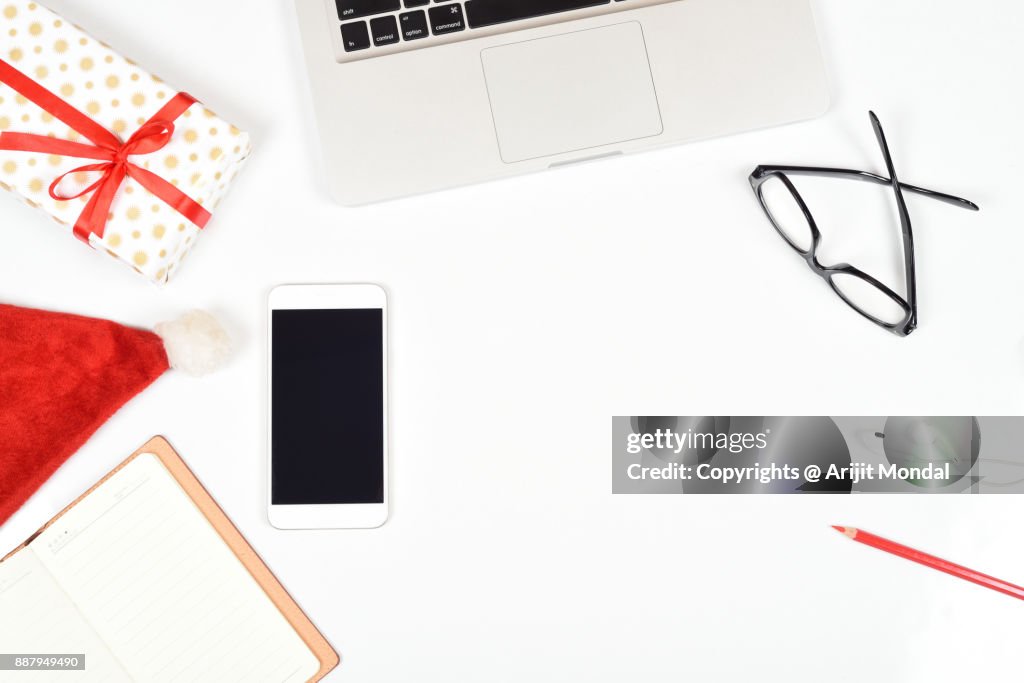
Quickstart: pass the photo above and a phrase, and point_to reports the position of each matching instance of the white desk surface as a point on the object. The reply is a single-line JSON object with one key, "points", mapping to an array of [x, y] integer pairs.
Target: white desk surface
{"points": [[526, 313]]}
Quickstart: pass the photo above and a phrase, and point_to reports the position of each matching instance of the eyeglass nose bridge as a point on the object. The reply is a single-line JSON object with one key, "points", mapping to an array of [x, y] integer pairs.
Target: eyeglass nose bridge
{"points": [[810, 257]]}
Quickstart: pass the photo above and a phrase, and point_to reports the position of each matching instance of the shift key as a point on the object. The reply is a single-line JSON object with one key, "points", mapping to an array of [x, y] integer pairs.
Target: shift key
{"points": [[353, 9]]}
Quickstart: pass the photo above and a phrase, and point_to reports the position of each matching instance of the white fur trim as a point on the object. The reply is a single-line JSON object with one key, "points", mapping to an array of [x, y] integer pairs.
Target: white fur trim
{"points": [[196, 343]]}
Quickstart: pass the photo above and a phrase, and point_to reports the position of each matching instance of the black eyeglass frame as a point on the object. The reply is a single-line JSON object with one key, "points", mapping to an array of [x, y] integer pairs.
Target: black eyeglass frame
{"points": [[908, 323]]}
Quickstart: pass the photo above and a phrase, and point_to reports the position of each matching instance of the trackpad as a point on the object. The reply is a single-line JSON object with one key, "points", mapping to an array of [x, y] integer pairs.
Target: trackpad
{"points": [[571, 92]]}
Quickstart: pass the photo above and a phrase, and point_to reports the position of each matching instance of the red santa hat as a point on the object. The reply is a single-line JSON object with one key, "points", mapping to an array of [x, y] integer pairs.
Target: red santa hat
{"points": [[62, 376]]}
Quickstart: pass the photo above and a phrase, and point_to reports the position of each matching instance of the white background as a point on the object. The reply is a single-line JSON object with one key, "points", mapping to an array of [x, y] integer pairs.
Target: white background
{"points": [[526, 313]]}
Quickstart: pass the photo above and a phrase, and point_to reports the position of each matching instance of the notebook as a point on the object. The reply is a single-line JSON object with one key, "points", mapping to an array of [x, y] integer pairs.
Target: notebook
{"points": [[146, 576]]}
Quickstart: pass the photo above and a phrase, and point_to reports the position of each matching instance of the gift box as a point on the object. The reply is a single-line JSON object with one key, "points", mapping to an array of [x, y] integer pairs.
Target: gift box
{"points": [[133, 166]]}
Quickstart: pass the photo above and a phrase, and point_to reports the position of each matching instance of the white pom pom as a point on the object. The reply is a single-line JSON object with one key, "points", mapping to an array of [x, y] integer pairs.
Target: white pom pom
{"points": [[196, 343]]}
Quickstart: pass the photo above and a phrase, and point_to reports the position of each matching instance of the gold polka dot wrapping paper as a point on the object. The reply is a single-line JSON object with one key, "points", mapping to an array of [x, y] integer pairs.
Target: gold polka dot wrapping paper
{"points": [[201, 158]]}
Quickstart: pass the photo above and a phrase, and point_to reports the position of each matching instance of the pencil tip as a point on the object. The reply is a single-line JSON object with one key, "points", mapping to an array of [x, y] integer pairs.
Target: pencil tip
{"points": [[848, 531], [840, 529]]}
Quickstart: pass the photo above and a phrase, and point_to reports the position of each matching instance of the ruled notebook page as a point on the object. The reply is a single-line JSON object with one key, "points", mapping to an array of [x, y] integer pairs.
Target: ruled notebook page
{"points": [[164, 591], [37, 617]]}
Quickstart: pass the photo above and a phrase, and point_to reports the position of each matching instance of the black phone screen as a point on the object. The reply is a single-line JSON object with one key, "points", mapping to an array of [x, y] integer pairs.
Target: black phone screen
{"points": [[327, 407]]}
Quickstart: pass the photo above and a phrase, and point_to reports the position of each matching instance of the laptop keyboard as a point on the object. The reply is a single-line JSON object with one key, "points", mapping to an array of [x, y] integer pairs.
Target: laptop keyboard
{"points": [[369, 25]]}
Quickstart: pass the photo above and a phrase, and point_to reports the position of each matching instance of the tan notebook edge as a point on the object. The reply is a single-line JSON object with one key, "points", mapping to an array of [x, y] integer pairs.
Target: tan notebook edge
{"points": [[291, 611]]}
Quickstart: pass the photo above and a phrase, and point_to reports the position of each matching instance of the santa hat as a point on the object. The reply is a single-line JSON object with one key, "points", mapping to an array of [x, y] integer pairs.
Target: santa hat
{"points": [[62, 376]]}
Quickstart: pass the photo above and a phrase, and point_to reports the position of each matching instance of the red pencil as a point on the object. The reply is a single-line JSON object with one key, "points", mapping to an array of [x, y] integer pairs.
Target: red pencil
{"points": [[932, 561]]}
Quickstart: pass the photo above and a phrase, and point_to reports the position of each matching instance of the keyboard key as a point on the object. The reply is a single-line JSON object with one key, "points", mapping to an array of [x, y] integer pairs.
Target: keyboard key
{"points": [[355, 36], [446, 19], [414, 25], [416, 3], [384, 30], [354, 9], [490, 12]]}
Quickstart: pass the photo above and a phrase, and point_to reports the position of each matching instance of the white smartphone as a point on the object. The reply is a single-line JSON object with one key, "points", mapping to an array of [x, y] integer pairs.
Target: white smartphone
{"points": [[328, 349]]}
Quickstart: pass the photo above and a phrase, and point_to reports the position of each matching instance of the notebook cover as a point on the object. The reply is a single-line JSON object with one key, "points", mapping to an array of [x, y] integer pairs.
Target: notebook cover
{"points": [[159, 447]]}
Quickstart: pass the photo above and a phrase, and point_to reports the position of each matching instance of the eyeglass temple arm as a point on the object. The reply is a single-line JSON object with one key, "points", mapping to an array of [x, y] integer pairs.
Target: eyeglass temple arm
{"points": [[910, 262], [872, 178]]}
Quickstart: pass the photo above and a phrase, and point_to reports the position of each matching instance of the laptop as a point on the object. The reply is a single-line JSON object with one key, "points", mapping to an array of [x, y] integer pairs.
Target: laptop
{"points": [[413, 96]]}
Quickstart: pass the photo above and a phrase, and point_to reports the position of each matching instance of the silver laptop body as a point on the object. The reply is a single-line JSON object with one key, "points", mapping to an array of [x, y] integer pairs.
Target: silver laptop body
{"points": [[413, 96]]}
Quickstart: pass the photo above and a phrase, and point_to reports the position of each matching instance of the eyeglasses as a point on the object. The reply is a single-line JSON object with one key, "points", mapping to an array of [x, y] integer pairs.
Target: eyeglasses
{"points": [[788, 212]]}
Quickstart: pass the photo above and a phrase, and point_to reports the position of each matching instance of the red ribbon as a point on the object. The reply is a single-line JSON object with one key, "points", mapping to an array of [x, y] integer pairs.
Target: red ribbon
{"points": [[107, 149]]}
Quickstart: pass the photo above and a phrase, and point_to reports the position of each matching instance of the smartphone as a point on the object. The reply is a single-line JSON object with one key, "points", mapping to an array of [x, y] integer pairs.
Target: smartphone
{"points": [[328, 349]]}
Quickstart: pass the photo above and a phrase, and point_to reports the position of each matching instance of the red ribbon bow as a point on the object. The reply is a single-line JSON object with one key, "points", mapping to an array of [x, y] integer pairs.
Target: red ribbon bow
{"points": [[108, 149]]}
